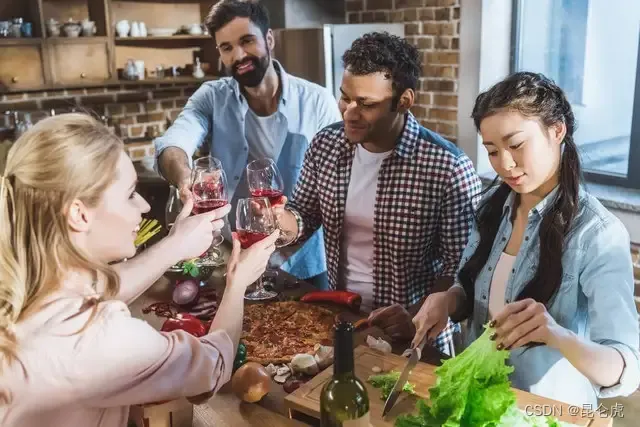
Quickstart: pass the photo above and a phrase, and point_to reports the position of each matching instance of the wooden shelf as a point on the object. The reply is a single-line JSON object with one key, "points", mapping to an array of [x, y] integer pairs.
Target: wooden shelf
{"points": [[21, 41], [160, 38], [52, 60], [161, 1], [113, 82], [77, 40], [167, 80]]}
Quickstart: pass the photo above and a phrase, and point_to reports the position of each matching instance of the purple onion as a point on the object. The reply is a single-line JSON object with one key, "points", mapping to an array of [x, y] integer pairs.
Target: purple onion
{"points": [[186, 293]]}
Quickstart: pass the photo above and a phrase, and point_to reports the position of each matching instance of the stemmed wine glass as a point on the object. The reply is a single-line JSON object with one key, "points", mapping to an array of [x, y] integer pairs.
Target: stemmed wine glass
{"points": [[209, 189], [264, 180], [172, 208], [254, 222]]}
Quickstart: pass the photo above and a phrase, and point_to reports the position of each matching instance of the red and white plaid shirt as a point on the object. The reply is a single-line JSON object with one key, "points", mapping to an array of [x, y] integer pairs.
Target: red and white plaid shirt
{"points": [[425, 200]]}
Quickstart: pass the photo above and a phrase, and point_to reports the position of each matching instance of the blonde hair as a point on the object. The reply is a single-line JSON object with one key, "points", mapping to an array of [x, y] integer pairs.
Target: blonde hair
{"points": [[61, 159]]}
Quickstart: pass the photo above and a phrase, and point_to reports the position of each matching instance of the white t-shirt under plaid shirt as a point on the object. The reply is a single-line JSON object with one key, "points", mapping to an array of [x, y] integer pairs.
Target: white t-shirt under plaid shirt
{"points": [[425, 199]]}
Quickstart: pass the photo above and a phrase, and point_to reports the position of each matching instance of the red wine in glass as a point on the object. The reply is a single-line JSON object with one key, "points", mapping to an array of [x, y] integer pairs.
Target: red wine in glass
{"points": [[265, 180], [255, 222], [273, 195], [208, 196], [202, 206], [209, 188], [248, 238]]}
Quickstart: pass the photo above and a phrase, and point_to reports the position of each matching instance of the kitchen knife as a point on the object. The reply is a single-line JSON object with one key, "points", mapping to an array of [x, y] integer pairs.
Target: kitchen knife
{"points": [[414, 356]]}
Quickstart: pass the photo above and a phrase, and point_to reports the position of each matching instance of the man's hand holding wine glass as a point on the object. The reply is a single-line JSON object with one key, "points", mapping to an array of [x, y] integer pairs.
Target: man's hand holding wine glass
{"points": [[265, 180], [184, 190]]}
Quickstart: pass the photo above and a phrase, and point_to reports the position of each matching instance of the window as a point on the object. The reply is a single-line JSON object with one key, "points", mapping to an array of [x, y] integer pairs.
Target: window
{"points": [[590, 48]]}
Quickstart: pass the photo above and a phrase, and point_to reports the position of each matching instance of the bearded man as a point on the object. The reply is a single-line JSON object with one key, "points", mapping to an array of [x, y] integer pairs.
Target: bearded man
{"points": [[258, 112]]}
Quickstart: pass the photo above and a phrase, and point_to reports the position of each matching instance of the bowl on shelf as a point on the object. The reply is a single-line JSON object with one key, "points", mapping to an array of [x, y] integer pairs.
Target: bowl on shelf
{"points": [[161, 32]]}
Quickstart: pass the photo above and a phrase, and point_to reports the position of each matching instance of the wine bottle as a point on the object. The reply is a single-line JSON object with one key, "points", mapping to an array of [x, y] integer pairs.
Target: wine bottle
{"points": [[344, 401]]}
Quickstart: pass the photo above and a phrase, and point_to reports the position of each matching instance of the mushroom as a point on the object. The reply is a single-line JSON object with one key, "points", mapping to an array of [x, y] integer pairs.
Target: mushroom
{"points": [[280, 379], [284, 369], [271, 369]]}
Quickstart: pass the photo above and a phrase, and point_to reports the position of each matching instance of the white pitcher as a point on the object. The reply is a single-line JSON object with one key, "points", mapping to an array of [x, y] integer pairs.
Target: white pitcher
{"points": [[123, 27], [135, 29]]}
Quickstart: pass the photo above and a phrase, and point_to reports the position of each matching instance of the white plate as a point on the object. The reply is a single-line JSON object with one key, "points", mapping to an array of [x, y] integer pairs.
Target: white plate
{"points": [[161, 32]]}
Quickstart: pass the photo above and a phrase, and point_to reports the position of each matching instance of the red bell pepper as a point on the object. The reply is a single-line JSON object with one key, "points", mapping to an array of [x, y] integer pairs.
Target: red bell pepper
{"points": [[185, 322], [346, 298]]}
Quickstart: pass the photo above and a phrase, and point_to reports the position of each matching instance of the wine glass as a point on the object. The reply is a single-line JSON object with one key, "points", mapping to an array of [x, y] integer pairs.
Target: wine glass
{"points": [[172, 208], [264, 180], [254, 222], [209, 189]]}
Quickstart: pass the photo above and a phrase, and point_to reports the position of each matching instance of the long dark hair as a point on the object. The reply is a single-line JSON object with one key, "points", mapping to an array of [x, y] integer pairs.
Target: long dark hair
{"points": [[532, 95]]}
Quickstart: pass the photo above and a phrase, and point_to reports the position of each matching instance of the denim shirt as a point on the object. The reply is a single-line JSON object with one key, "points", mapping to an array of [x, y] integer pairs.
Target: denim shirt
{"points": [[595, 300], [218, 109]]}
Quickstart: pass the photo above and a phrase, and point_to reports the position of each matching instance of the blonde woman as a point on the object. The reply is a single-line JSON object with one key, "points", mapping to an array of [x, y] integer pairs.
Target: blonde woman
{"points": [[70, 352]]}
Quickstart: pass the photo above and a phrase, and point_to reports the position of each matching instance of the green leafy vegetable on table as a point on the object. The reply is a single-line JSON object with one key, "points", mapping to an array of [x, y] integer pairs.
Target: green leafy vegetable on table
{"points": [[473, 390], [386, 382], [191, 268]]}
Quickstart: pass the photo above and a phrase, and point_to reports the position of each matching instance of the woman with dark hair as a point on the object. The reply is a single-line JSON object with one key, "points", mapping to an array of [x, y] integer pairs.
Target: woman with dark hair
{"points": [[546, 264]]}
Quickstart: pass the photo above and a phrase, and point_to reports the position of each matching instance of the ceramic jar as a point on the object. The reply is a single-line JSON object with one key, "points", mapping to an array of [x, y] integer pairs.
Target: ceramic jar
{"points": [[88, 28], [123, 27], [71, 28]]}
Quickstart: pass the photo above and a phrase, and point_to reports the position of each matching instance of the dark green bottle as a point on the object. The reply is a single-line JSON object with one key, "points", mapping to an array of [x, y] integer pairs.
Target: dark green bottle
{"points": [[344, 401]]}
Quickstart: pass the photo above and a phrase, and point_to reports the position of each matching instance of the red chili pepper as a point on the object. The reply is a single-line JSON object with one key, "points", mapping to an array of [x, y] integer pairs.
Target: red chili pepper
{"points": [[349, 299], [185, 322]]}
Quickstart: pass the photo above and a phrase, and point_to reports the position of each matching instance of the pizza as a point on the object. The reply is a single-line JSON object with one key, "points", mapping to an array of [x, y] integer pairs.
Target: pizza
{"points": [[274, 332]]}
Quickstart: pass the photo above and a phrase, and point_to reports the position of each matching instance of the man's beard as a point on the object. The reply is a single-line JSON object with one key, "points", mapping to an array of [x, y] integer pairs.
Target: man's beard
{"points": [[254, 77]]}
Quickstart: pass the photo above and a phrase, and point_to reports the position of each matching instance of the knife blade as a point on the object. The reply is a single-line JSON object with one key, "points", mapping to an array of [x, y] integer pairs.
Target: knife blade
{"points": [[414, 357]]}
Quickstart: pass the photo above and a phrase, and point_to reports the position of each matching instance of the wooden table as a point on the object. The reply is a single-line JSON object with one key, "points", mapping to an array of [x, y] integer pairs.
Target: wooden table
{"points": [[224, 409]]}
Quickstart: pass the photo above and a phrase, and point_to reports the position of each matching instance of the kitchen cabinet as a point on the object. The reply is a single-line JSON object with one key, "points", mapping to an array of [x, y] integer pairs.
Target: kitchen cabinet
{"points": [[53, 61], [79, 63], [21, 67]]}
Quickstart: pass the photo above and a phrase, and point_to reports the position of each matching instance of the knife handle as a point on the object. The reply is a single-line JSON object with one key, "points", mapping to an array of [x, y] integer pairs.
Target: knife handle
{"points": [[418, 348]]}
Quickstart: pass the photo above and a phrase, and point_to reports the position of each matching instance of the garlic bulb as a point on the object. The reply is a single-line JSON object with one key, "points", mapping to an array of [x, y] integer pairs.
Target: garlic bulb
{"points": [[378, 344], [305, 364], [323, 356]]}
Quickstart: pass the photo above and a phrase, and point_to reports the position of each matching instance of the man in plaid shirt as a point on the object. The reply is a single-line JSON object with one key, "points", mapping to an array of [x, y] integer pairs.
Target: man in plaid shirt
{"points": [[396, 200]]}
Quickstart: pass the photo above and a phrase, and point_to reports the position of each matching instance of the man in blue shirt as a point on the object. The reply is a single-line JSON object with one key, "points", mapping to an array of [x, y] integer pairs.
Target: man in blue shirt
{"points": [[259, 112]]}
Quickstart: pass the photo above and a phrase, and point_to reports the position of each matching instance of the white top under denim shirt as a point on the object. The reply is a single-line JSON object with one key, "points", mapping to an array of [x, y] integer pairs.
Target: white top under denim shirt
{"points": [[595, 299], [218, 108]]}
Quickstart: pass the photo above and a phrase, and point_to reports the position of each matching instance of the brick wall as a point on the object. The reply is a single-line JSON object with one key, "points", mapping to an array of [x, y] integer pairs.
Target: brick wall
{"points": [[133, 111], [434, 27]]}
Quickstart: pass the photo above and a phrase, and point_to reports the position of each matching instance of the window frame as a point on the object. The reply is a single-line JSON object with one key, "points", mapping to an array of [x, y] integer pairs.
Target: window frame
{"points": [[632, 179]]}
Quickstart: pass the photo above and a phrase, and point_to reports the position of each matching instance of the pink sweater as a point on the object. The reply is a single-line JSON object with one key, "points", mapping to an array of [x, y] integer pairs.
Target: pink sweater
{"points": [[89, 379]]}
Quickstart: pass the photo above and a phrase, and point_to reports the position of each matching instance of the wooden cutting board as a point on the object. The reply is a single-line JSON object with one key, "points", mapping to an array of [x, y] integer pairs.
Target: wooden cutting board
{"points": [[307, 398]]}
